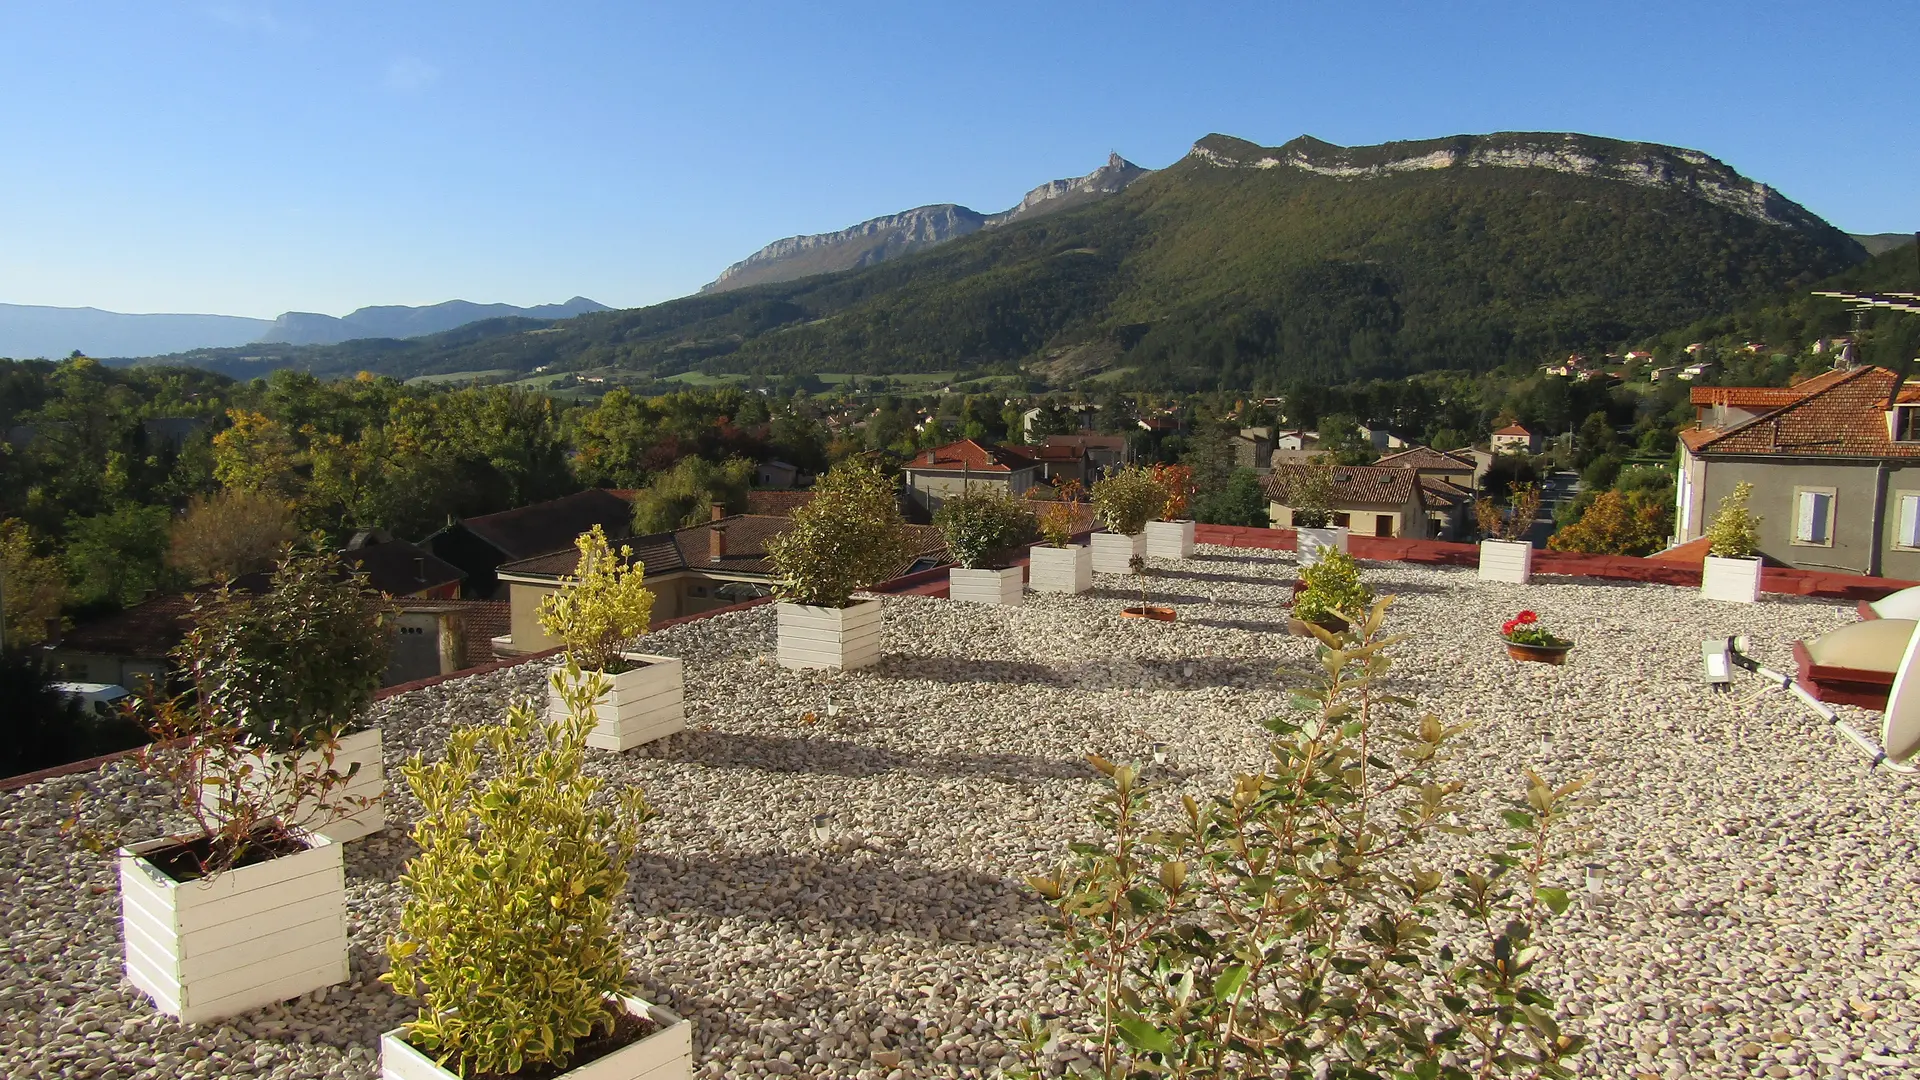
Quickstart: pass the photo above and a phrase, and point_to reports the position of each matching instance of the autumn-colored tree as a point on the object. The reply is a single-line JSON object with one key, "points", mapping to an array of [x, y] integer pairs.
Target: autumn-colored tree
{"points": [[34, 585], [1616, 524], [255, 454], [229, 533]]}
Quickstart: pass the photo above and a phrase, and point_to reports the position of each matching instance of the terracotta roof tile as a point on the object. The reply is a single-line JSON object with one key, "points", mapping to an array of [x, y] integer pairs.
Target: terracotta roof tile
{"points": [[776, 503], [1427, 458], [552, 525], [392, 569], [1516, 429], [1351, 483], [968, 456], [1844, 417]]}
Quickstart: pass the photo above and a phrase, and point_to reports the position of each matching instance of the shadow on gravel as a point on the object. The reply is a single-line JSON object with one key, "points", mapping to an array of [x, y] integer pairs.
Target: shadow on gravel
{"points": [[834, 757], [1202, 557], [834, 892], [963, 670], [1154, 596], [1204, 575], [1253, 626]]}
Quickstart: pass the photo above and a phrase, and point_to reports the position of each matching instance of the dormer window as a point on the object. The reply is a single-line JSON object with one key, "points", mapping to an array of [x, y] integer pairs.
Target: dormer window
{"points": [[1903, 423]]}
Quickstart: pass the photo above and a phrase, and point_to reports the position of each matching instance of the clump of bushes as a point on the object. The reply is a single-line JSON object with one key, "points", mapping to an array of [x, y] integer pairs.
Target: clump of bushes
{"points": [[1126, 500], [847, 537], [982, 525], [1734, 531], [1334, 591], [602, 607]]}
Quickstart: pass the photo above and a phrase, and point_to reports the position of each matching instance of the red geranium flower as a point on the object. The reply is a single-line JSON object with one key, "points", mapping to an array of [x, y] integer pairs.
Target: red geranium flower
{"points": [[1528, 617]]}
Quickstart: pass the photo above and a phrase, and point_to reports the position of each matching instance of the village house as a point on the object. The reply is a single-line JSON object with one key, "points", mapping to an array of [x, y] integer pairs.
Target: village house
{"points": [[933, 475], [402, 570], [1835, 469], [1516, 438], [1369, 499], [479, 545], [1253, 448], [1448, 485], [1104, 453]]}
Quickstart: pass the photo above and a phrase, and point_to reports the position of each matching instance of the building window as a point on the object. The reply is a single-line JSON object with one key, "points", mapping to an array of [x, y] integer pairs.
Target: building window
{"points": [[1383, 524], [1342, 521], [1906, 423], [1906, 507], [1813, 516]]}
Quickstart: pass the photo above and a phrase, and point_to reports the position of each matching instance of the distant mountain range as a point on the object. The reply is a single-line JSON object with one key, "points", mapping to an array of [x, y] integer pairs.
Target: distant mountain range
{"points": [[32, 331], [878, 239]]}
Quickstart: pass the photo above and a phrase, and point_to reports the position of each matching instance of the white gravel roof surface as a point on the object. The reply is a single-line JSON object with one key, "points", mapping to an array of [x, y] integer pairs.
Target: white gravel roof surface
{"points": [[1758, 916]]}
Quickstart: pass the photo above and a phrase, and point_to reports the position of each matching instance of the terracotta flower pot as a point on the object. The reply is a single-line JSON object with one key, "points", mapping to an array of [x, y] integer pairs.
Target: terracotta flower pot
{"points": [[1151, 611], [1539, 654]]}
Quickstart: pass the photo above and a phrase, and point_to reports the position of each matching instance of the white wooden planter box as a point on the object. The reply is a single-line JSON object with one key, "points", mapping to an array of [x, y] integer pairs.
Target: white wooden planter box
{"points": [[643, 704], [1170, 539], [1113, 552], [1062, 570], [1733, 580], [667, 1054], [1510, 561], [823, 637], [1308, 544], [1002, 587], [362, 748], [209, 949]]}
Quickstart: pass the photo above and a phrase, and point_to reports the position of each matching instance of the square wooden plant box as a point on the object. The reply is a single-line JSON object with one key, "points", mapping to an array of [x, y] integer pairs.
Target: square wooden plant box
{"points": [[245, 938], [1170, 539], [664, 1054], [1060, 569], [984, 586], [1510, 561], [826, 637], [644, 703], [1113, 552]]}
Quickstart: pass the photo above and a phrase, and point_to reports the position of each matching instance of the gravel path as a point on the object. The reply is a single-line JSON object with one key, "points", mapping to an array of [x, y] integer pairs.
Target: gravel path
{"points": [[1757, 917]]}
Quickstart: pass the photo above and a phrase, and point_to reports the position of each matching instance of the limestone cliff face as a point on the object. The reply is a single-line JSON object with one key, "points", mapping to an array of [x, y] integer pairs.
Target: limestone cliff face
{"points": [[888, 237], [1639, 163]]}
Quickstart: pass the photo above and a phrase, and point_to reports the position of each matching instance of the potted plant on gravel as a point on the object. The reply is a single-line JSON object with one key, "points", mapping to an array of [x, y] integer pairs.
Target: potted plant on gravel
{"points": [[1731, 571], [1124, 502], [293, 670], [594, 614], [509, 933], [1156, 612], [1505, 553], [1333, 595], [249, 905], [982, 527], [848, 536], [1527, 640], [1170, 534], [1057, 564], [1309, 493]]}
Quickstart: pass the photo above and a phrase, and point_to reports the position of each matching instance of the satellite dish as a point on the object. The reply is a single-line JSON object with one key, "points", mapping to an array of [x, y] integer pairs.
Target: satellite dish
{"points": [[1900, 733]]}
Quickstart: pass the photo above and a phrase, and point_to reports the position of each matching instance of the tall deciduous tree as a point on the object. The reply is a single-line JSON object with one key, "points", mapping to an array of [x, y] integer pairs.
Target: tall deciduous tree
{"points": [[229, 533], [687, 494], [33, 585]]}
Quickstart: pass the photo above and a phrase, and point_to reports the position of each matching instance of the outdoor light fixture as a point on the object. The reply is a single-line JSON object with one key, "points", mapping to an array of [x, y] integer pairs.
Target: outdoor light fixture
{"points": [[822, 829], [1159, 753], [1899, 731], [1594, 876]]}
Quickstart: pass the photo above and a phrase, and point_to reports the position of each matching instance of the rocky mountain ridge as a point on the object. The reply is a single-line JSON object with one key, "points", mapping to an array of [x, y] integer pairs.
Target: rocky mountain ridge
{"points": [[397, 321], [893, 235]]}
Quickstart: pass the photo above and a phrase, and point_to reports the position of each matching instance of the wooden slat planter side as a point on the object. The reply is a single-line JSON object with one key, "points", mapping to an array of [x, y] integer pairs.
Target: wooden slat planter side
{"points": [[832, 638], [1060, 570], [643, 704], [1170, 539], [667, 1054], [1734, 581], [1113, 552], [1510, 561], [204, 950], [1002, 587]]}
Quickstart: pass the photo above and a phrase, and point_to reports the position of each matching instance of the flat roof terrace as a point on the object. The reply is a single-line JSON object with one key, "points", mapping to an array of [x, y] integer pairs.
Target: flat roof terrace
{"points": [[1757, 914]]}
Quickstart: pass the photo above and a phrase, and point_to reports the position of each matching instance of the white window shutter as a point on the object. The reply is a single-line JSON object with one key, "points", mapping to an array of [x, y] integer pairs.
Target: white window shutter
{"points": [[1810, 525], [1909, 521]]}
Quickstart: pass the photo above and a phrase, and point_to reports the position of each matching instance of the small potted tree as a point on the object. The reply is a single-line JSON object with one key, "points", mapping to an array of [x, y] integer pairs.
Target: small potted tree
{"points": [[982, 527], [1309, 494], [1170, 533], [509, 934], [249, 905], [1057, 564], [1155, 612], [293, 670], [1505, 553], [847, 537], [1124, 502], [1333, 595], [1731, 571], [595, 613]]}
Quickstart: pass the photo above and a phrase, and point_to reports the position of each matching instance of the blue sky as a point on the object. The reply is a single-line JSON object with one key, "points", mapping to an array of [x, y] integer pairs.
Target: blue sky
{"points": [[247, 157]]}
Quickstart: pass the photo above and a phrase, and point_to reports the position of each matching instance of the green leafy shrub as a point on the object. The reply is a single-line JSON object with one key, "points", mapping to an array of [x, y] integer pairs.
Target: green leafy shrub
{"points": [[604, 605], [1333, 588], [1127, 499], [1307, 490], [1513, 521], [1304, 921], [293, 665], [847, 537], [982, 525], [507, 935], [1735, 530]]}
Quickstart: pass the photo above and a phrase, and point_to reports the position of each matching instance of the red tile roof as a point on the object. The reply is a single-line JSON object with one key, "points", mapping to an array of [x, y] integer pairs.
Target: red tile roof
{"points": [[1370, 484], [1764, 397], [776, 503], [1438, 490], [969, 456], [554, 524], [1427, 458], [1516, 429], [392, 567], [1844, 417]]}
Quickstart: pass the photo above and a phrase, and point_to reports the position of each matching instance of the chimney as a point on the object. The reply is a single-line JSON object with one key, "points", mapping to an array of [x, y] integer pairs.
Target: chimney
{"points": [[716, 543], [719, 511]]}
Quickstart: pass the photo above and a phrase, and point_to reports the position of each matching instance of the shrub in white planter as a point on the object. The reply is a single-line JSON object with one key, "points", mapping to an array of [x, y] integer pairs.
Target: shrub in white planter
{"points": [[1057, 564], [664, 1053], [1505, 554], [594, 613], [248, 906], [981, 528], [847, 537], [291, 671], [508, 935], [1170, 534], [1731, 571], [1123, 503]]}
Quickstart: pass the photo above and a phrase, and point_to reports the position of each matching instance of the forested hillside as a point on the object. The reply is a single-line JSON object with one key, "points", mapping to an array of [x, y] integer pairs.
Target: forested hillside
{"points": [[1239, 266]]}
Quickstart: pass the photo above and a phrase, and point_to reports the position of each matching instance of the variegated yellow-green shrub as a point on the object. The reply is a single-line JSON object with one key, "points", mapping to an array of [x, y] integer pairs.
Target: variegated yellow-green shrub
{"points": [[507, 935], [604, 605]]}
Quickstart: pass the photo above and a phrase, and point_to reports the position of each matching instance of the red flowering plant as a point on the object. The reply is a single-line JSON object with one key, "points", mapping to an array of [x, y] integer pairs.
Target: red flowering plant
{"points": [[1525, 629]]}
